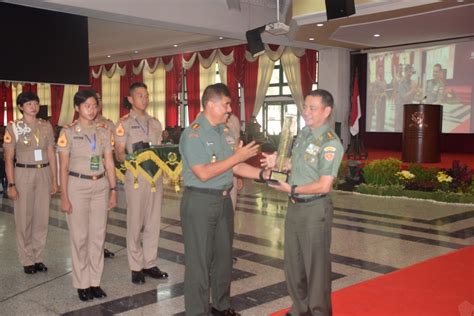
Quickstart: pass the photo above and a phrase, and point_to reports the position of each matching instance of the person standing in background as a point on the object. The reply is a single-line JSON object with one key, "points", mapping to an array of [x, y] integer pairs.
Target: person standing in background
{"points": [[31, 180], [100, 119], [406, 91], [134, 131], [435, 87], [88, 192], [233, 124]]}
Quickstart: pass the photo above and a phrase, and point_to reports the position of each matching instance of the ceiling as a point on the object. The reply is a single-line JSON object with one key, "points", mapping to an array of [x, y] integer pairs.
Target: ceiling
{"points": [[126, 29]]}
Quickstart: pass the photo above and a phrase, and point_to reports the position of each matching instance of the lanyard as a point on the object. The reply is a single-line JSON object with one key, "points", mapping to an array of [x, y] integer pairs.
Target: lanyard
{"points": [[143, 127], [36, 136], [92, 142]]}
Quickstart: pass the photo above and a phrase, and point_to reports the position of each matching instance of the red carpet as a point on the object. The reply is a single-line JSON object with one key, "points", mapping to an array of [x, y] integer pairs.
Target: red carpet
{"points": [[440, 286]]}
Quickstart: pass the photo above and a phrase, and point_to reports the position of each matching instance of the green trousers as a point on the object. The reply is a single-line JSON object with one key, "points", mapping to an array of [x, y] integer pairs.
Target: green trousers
{"points": [[208, 230], [307, 256]]}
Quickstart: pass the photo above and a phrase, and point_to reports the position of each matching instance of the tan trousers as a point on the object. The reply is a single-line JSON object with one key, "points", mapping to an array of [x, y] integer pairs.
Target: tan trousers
{"points": [[32, 213], [233, 193], [87, 227], [143, 212]]}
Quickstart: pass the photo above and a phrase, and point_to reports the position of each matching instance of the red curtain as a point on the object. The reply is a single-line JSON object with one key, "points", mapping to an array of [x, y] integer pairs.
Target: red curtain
{"points": [[28, 87], [57, 92], [173, 88], [308, 70], [192, 84], [96, 84], [250, 87], [6, 96]]}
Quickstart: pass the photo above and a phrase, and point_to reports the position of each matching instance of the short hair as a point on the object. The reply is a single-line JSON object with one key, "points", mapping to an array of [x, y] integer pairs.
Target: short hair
{"points": [[214, 90], [438, 65], [326, 97], [82, 95], [26, 96], [136, 85]]}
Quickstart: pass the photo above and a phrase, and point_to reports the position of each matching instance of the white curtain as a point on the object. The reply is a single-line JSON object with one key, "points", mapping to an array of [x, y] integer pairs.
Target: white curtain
{"points": [[265, 69], [111, 92], [222, 71], [291, 67], [206, 77], [16, 90], [44, 94], [67, 105], [155, 79]]}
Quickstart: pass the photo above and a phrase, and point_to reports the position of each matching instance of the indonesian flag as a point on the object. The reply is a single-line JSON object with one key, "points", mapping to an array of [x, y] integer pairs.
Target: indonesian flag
{"points": [[355, 108]]}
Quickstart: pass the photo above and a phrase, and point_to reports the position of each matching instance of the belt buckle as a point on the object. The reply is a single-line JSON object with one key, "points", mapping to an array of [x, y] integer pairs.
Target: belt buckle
{"points": [[224, 193], [95, 177], [38, 166]]}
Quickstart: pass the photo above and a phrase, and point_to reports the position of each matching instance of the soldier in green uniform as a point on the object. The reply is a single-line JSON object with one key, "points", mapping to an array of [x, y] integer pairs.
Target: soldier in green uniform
{"points": [[134, 131], [31, 179], [315, 160], [88, 191], [210, 156]]}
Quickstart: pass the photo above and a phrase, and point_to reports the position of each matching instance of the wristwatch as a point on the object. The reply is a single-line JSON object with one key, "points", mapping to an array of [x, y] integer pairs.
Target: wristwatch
{"points": [[11, 185], [293, 190]]}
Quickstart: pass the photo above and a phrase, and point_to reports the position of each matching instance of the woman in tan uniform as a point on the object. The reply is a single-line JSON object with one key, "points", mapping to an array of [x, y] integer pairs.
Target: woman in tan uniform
{"points": [[88, 178], [31, 179]]}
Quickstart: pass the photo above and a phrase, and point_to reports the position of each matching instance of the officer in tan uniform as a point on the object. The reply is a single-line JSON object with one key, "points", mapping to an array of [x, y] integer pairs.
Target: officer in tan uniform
{"points": [[31, 179], [101, 120], [88, 179], [134, 131]]}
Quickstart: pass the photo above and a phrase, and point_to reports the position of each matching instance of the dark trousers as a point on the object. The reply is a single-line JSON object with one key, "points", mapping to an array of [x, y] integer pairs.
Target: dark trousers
{"points": [[307, 256], [208, 230]]}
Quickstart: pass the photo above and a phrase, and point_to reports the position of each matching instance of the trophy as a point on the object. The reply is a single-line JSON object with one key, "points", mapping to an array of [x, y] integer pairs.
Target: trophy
{"points": [[284, 150]]}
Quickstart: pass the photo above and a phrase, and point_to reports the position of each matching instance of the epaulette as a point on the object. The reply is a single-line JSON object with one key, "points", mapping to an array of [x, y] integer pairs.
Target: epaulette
{"points": [[196, 126], [102, 125], [330, 135], [70, 125], [125, 117]]}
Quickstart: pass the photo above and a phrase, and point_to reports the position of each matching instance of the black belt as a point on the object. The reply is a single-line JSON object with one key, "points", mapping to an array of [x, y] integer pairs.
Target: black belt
{"points": [[296, 200], [83, 176], [217, 192], [33, 166]]}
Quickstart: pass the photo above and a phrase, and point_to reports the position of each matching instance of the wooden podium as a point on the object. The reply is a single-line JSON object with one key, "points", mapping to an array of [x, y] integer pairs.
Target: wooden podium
{"points": [[422, 126]]}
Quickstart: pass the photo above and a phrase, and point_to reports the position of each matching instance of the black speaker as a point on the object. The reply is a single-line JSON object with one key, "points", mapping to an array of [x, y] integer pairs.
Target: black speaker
{"points": [[339, 8], [254, 40], [43, 112]]}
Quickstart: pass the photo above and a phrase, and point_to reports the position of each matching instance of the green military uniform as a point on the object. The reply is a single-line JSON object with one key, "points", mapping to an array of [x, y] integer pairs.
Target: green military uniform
{"points": [[88, 192], [434, 91], [33, 183], [308, 222], [207, 218]]}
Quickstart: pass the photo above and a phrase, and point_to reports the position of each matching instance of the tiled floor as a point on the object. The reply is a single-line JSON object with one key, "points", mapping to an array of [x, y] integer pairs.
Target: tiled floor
{"points": [[371, 236]]}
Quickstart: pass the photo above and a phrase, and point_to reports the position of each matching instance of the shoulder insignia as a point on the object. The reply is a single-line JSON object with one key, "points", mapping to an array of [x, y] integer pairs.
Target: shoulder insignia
{"points": [[7, 138], [102, 125], [330, 135], [120, 131], [330, 148], [196, 126], [329, 156], [125, 116], [62, 141], [193, 135]]}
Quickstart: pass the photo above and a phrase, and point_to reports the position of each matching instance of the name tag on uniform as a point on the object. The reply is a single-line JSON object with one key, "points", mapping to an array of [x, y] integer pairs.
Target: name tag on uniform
{"points": [[38, 155], [95, 163]]}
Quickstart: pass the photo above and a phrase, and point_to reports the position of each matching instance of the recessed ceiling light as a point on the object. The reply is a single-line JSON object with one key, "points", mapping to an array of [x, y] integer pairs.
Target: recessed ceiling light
{"points": [[320, 24], [221, 38], [136, 51], [175, 45], [311, 38], [376, 35], [108, 56]]}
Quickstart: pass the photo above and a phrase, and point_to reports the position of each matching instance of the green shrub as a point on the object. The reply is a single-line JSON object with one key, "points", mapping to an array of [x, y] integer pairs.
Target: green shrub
{"points": [[424, 180], [382, 172]]}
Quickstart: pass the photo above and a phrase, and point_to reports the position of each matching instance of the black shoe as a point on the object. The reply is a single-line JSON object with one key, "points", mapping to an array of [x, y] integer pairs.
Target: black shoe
{"points": [[41, 267], [84, 294], [138, 277], [97, 292], [226, 312], [155, 273], [108, 253], [29, 269]]}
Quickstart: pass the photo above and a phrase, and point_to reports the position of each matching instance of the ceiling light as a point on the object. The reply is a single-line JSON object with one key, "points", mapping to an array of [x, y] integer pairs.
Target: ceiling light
{"points": [[311, 38], [221, 38], [108, 56], [376, 35], [320, 24], [136, 52], [175, 45]]}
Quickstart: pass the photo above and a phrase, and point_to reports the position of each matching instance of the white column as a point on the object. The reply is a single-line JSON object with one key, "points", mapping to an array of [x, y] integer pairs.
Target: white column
{"points": [[334, 76]]}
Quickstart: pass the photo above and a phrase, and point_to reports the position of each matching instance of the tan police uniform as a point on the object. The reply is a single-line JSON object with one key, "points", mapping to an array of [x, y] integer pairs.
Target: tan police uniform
{"points": [[33, 184], [143, 206], [88, 192]]}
